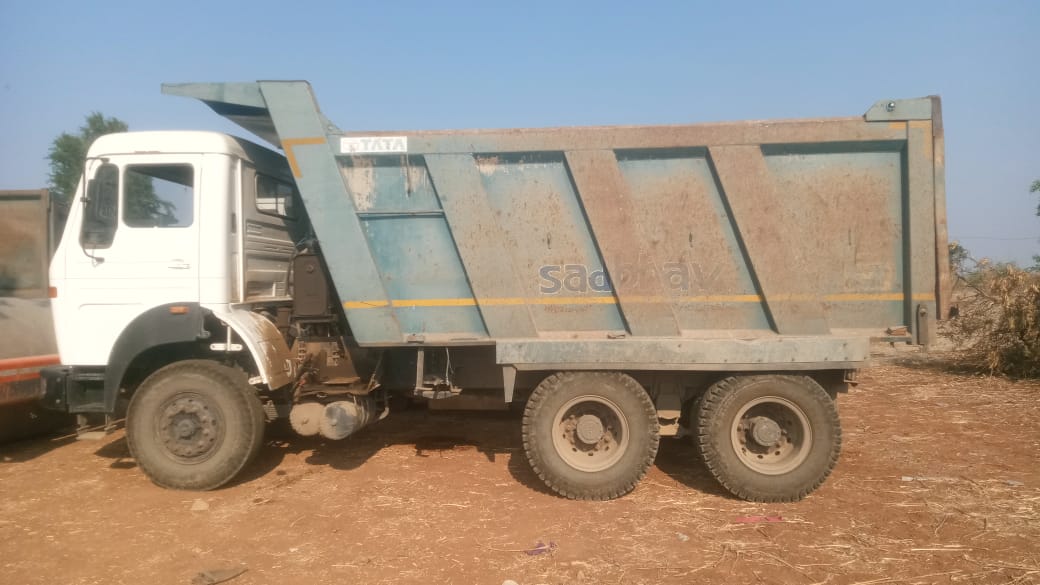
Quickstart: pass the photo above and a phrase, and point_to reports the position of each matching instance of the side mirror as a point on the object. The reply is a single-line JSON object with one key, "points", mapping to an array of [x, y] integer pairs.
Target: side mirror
{"points": [[101, 208]]}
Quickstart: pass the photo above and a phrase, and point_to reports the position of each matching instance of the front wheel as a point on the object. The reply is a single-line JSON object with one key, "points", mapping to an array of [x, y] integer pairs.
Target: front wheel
{"points": [[590, 435], [768, 438], [194, 425]]}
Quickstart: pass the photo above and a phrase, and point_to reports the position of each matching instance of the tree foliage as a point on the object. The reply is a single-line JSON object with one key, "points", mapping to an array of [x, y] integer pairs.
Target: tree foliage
{"points": [[141, 201], [1035, 188], [997, 322], [960, 259], [68, 152]]}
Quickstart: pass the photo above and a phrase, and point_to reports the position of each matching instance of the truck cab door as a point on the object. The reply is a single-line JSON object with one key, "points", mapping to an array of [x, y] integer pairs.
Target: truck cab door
{"points": [[139, 236]]}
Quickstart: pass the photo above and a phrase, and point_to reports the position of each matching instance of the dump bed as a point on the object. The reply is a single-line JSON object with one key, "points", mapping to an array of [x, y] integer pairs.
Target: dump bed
{"points": [[763, 243], [30, 228]]}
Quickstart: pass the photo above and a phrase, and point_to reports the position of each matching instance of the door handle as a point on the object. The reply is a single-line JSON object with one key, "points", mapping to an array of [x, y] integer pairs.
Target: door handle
{"points": [[178, 265]]}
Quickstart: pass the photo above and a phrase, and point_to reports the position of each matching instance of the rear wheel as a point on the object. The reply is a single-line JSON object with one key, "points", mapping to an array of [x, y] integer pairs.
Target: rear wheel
{"points": [[194, 425], [590, 435], [768, 438]]}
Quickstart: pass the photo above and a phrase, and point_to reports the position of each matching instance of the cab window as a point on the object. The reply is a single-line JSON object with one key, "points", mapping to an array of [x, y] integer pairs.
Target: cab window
{"points": [[275, 197], [159, 196]]}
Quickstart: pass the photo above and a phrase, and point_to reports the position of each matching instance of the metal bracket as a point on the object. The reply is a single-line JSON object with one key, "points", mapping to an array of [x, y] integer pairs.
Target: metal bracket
{"points": [[438, 388], [925, 335], [508, 382], [900, 110]]}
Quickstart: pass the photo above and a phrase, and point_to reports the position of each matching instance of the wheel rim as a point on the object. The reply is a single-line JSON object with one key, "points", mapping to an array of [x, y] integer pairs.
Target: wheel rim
{"points": [[590, 433], [771, 435], [190, 429]]}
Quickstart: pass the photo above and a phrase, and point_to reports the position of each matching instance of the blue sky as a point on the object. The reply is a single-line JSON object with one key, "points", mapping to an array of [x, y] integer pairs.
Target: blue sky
{"points": [[404, 65]]}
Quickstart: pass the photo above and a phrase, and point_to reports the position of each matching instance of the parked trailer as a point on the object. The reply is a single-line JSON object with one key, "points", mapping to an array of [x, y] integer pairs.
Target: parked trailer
{"points": [[27, 221], [718, 280]]}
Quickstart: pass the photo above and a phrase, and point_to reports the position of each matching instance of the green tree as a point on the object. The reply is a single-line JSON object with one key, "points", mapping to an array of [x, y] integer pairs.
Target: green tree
{"points": [[68, 151], [1035, 188], [960, 259], [67, 155]]}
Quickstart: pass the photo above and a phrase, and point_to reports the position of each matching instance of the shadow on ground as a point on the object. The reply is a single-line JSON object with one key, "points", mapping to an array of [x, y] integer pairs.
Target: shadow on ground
{"points": [[119, 452], [431, 434], [30, 448]]}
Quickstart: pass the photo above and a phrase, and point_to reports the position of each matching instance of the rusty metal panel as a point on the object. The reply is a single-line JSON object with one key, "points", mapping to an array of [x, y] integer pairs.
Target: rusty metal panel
{"points": [[563, 277], [646, 137], [943, 285], [413, 248], [25, 245], [26, 327], [780, 263], [483, 250], [921, 222], [778, 353], [842, 205], [642, 297], [691, 241]]}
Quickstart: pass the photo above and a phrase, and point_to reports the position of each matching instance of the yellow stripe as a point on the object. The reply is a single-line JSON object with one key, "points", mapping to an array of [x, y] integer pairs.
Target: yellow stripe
{"points": [[365, 304], [289, 143], [721, 299], [434, 303], [569, 301], [609, 300], [864, 297]]}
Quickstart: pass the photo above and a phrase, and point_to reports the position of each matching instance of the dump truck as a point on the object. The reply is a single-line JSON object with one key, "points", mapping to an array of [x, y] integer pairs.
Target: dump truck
{"points": [[31, 224], [720, 281]]}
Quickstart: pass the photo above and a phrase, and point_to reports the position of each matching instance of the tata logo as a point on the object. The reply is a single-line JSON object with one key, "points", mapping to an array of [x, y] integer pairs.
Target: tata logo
{"points": [[373, 144], [579, 278]]}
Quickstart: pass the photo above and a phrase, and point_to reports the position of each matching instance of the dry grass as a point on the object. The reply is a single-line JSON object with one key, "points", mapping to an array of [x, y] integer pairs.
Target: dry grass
{"points": [[998, 326], [938, 483]]}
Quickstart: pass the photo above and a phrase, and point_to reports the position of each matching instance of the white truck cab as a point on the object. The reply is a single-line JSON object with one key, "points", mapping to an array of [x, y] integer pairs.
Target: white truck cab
{"points": [[174, 244]]}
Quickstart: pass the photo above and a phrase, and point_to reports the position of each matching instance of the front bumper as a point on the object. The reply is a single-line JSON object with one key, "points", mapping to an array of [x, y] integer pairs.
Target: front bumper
{"points": [[73, 389]]}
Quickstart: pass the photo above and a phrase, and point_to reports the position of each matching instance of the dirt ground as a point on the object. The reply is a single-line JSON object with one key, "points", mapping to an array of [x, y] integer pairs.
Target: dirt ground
{"points": [[939, 482]]}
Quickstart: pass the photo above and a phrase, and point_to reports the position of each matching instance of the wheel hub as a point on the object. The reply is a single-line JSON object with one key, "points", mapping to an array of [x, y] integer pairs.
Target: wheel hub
{"points": [[189, 427], [186, 428], [765, 431], [591, 433], [589, 429], [771, 435]]}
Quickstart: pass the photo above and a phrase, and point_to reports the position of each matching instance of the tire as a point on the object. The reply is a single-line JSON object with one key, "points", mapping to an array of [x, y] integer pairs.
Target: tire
{"points": [[194, 425], [768, 438], [256, 409], [571, 422]]}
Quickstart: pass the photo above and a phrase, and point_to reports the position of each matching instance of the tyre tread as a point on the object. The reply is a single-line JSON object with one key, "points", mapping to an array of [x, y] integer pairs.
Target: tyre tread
{"points": [[532, 447], [252, 409], [715, 400]]}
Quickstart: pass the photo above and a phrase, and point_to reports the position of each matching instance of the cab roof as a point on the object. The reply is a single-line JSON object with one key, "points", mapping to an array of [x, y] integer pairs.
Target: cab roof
{"points": [[186, 142]]}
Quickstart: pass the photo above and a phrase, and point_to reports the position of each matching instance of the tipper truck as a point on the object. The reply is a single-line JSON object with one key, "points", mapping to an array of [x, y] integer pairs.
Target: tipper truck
{"points": [[31, 224], [620, 284]]}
